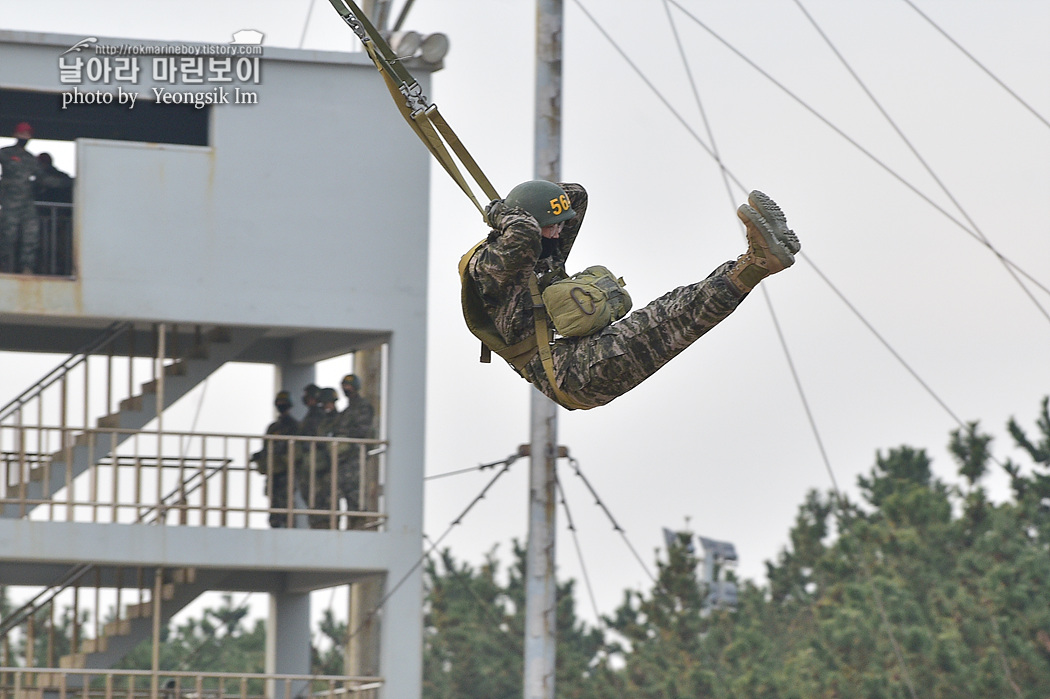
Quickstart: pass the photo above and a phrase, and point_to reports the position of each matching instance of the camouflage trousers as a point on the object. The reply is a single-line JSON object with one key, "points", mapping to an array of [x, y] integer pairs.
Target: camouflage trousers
{"points": [[598, 368], [278, 499], [347, 485], [18, 253]]}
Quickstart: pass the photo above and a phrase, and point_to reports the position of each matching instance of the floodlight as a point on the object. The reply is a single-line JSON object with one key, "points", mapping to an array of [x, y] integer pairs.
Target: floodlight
{"points": [[435, 47], [406, 44]]}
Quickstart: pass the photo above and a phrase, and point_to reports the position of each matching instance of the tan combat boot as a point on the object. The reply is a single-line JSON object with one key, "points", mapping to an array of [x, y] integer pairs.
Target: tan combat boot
{"points": [[771, 244]]}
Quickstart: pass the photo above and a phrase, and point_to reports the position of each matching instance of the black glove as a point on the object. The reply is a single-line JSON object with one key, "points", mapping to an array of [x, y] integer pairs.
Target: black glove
{"points": [[494, 211]]}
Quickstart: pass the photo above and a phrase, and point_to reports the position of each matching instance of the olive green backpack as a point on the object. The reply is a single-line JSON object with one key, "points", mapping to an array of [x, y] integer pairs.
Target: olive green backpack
{"points": [[586, 302]]}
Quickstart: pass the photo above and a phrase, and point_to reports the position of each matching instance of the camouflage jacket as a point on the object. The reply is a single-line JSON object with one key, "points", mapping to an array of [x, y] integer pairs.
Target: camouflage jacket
{"points": [[311, 421], [328, 425], [502, 265], [283, 425], [20, 170], [356, 419]]}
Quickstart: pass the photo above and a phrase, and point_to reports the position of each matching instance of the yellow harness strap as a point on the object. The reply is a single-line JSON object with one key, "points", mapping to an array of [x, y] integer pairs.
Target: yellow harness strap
{"points": [[423, 117], [481, 326], [542, 337]]}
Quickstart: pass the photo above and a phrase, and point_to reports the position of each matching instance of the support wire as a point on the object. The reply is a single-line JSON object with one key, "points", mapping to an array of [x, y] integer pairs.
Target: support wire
{"points": [[915, 151], [507, 463], [616, 526], [579, 551]]}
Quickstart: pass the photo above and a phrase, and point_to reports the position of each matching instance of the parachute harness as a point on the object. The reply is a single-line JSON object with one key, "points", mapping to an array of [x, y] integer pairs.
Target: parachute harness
{"points": [[435, 133], [421, 115]]}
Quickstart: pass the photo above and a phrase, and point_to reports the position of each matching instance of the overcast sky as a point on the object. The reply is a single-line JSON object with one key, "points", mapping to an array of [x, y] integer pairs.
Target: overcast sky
{"points": [[721, 436]]}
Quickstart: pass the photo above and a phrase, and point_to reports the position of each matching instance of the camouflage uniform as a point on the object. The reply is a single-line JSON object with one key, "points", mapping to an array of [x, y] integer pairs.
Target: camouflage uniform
{"points": [[600, 367], [17, 210], [285, 424], [328, 426], [311, 421], [355, 421]]}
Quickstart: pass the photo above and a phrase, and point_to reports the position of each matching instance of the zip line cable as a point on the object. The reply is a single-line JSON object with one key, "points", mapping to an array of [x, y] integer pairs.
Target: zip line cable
{"points": [[922, 161], [306, 23], [885, 343], [453, 473], [801, 392], [487, 608], [579, 551], [479, 467], [851, 307], [808, 108], [840, 501], [765, 291], [699, 103], [655, 91], [855, 144], [980, 65], [808, 259], [616, 527], [507, 463]]}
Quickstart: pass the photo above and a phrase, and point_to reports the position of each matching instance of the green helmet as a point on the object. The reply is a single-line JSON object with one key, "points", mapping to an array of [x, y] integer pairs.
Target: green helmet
{"points": [[328, 395], [546, 201], [283, 398]]}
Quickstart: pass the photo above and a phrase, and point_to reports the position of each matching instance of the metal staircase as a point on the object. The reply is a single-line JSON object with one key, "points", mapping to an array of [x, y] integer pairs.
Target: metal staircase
{"points": [[82, 448], [177, 588]]}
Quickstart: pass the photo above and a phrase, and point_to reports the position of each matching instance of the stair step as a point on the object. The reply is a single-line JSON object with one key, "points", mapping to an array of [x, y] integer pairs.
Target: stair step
{"points": [[84, 439], [36, 474], [94, 645], [143, 610], [117, 627], [132, 403], [111, 420], [176, 368], [75, 661], [44, 680]]}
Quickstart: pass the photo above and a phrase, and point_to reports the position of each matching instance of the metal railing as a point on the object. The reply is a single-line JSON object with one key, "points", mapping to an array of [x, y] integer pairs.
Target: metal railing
{"points": [[36, 683], [100, 376], [58, 376], [97, 609], [191, 478], [56, 239]]}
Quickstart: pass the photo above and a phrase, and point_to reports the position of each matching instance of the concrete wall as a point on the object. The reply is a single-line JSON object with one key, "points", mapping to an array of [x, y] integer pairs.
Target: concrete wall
{"points": [[306, 210]]}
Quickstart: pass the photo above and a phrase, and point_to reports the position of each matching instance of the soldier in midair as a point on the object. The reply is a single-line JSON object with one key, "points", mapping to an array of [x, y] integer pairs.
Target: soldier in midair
{"points": [[533, 230]]}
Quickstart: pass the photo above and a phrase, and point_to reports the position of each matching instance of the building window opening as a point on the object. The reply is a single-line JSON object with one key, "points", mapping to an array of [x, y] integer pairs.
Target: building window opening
{"points": [[38, 174]]}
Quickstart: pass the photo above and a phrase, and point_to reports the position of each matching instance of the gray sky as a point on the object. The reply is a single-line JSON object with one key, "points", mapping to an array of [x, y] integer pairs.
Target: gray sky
{"points": [[720, 436]]}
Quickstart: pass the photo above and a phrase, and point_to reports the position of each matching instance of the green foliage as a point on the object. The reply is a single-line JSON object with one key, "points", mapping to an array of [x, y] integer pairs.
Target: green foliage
{"points": [[474, 634], [215, 642], [331, 658], [919, 589]]}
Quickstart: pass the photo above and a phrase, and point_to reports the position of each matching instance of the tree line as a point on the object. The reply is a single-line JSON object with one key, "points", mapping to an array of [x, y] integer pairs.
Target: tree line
{"points": [[919, 588]]}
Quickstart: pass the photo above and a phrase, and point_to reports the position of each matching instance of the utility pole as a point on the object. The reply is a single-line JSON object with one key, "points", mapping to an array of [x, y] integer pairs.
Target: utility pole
{"points": [[540, 586]]}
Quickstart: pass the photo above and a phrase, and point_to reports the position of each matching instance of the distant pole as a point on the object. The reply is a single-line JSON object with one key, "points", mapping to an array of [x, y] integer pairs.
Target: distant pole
{"points": [[540, 588]]}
